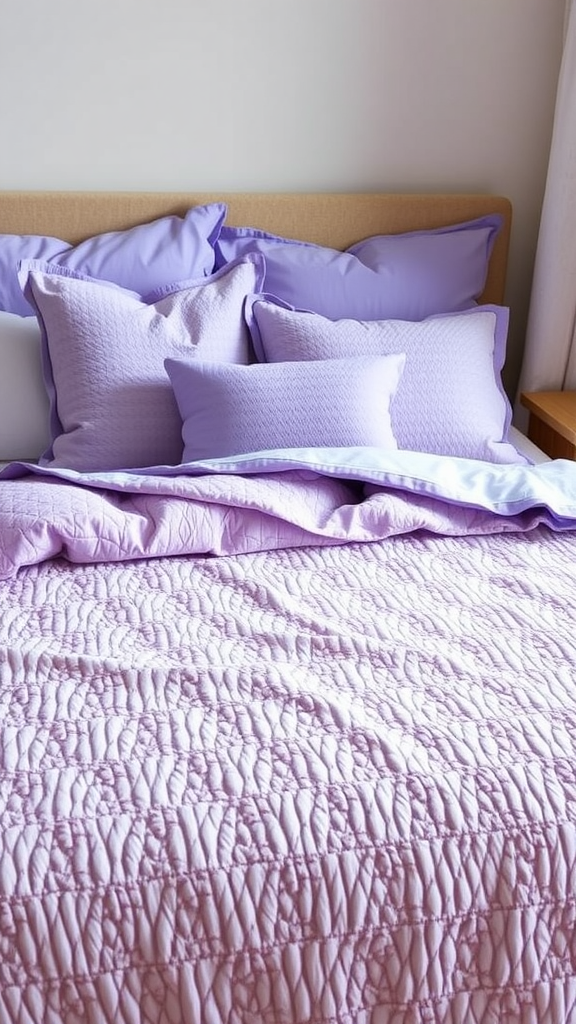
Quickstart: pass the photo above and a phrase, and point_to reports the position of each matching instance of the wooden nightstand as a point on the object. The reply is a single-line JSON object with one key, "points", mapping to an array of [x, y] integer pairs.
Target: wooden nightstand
{"points": [[552, 423]]}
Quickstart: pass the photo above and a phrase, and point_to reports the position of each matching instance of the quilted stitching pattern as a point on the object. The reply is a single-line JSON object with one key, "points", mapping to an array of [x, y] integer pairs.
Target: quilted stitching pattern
{"points": [[313, 785], [227, 410], [450, 399], [111, 401]]}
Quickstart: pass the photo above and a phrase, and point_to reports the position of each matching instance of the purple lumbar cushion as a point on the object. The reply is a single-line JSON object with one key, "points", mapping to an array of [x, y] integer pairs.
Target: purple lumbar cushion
{"points": [[103, 351], [233, 410], [140, 258], [407, 276], [450, 400]]}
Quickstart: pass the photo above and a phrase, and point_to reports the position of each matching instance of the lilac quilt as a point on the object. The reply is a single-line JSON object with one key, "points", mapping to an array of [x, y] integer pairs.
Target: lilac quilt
{"points": [[328, 778], [286, 498]]}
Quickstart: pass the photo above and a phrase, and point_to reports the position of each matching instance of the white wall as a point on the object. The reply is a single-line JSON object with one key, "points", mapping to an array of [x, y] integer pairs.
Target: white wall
{"points": [[262, 95]]}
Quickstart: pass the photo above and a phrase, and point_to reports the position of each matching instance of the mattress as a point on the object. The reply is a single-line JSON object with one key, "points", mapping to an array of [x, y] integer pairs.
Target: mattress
{"points": [[527, 447]]}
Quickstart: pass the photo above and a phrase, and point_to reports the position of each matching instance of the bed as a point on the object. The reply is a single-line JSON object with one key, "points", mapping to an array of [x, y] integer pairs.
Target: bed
{"points": [[288, 715]]}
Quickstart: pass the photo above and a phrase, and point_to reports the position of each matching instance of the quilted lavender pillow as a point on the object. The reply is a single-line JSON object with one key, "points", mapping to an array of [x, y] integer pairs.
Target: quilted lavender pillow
{"points": [[104, 348], [233, 410], [450, 400], [407, 276], [140, 258]]}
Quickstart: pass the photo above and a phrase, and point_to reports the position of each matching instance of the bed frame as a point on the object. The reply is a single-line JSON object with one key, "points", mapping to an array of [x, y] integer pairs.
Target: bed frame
{"points": [[366, 816], [335, 219]]}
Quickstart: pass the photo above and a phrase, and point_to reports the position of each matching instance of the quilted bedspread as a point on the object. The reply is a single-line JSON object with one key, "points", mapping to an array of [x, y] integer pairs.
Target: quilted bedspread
{"points": [[325, 781]]}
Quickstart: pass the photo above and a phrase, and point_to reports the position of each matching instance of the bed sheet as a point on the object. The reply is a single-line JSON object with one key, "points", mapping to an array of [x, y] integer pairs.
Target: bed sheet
{"points": [[331, 781], [526, 447]]}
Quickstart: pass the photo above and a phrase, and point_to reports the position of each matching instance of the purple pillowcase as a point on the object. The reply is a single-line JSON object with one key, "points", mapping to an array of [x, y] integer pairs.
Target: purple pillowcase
{"points": [[450, 400], [140, 258], [407, 276], [103, 352], [234, 410], [13, 250]]}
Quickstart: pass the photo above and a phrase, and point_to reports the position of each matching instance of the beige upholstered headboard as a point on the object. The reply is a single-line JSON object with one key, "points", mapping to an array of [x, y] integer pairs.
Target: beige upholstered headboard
{"points": [[334, 219]]}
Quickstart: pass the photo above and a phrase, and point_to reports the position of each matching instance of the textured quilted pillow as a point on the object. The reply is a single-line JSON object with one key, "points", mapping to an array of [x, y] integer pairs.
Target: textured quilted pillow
{"points": [[24, 407], [232, 410], [408, 276], [450, 400], [141, 258], [104, 348]]}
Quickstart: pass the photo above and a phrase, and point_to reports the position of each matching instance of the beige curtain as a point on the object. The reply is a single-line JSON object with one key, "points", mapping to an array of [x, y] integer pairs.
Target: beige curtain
{"points": [[549, 362]]}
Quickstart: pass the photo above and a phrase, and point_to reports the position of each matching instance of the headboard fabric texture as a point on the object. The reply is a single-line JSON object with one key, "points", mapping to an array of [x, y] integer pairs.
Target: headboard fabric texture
{"points": [[334, 219]]}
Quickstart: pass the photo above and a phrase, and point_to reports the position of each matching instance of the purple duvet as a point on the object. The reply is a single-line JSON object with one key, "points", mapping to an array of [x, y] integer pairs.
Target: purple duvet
{"points": [[287, 498], [330, 777]]}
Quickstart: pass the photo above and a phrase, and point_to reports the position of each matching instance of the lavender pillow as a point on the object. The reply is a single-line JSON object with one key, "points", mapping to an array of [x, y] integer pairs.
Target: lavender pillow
{"points": [[140, 258], [407, 276], [104, 348], [13, 250], [233, 410], [450, 400]]}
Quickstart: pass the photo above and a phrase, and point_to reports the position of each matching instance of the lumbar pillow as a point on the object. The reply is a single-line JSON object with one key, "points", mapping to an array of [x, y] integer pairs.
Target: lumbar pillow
{"points": [[24, 406], [450, 400], [406, 276], [104, 348], [233, 410], [141, 258]]}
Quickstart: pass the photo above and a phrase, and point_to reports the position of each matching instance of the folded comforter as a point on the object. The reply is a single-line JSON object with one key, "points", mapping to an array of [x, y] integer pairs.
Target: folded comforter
{"points": [[268, 501]]}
